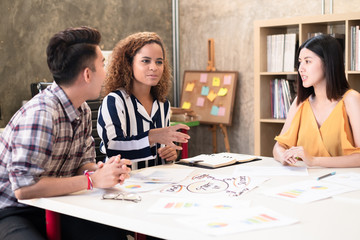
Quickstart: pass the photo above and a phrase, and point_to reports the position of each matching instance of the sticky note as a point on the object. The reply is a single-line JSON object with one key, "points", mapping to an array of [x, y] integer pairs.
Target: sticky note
{"points": [[211, 96], [203, 77], [190, 87], [227, 80], [200, 101], [222, 92], [216, 81], [205, 90], [214, 110], [221, 111], [186, 105]]}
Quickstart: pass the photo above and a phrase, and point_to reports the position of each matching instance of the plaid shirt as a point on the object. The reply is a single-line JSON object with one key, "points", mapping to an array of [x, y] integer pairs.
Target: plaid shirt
{"points": [[47, 137]]}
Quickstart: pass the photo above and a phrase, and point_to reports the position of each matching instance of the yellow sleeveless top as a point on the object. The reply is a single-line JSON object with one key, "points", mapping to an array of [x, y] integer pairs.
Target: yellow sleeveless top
{"points": [[333, 138]]}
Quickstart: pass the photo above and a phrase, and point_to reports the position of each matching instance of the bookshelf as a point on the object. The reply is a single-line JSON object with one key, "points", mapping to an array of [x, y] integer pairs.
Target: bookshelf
{"points": [[266, 127]]}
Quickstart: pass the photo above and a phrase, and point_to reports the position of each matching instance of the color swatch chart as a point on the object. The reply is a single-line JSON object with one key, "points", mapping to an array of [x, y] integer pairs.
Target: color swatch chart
{"points": [[247, 219], [307, 191], [193, 206]]}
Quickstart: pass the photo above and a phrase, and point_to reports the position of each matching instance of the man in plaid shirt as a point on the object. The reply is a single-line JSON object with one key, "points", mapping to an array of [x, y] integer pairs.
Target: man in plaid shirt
{"points": [[47, 145]]}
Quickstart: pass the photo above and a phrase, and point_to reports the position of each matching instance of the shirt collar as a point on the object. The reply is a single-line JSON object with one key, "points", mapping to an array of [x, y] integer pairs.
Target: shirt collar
{"points": [[69, 108], [143, 113]]}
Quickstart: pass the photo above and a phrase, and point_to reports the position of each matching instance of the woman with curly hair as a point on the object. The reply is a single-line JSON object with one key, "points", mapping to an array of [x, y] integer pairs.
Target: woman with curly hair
{"points": [[134, 117]]}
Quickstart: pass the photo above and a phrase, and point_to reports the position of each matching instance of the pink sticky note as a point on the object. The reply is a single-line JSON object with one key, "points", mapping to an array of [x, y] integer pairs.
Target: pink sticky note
{"points": [[203, 77], [221, 111], [227, 80], [200, 101]]}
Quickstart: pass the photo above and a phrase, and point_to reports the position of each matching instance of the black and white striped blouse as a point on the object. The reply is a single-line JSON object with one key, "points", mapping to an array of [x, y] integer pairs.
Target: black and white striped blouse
{"points": [[124, 124]]}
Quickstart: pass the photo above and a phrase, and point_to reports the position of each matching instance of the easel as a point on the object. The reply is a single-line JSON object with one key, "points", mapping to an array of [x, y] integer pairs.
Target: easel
{"points": [[211, 67]]}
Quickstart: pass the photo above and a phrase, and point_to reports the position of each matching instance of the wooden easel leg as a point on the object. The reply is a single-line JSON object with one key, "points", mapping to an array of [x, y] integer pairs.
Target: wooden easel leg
{"points": [[213, 130], [226, 139]]}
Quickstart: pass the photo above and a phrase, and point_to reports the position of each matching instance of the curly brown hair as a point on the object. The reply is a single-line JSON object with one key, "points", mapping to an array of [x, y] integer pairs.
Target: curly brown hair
{"points": [[120, 71]]}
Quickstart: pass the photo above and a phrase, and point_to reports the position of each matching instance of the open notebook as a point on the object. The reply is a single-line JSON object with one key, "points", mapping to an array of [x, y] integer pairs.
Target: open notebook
{"points": [[217, 160]]}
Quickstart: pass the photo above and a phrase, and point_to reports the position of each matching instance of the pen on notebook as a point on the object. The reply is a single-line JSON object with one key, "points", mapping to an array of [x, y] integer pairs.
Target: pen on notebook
{"points": [[326, 175], [194, 162]]}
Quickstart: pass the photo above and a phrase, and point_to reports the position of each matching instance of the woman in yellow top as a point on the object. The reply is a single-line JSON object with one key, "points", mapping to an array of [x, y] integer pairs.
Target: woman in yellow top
{"points": [[323, 123]]}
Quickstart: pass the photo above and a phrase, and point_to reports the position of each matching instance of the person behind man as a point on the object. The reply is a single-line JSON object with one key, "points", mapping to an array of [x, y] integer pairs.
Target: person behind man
{"points": [[134, 118], [47, 145]]}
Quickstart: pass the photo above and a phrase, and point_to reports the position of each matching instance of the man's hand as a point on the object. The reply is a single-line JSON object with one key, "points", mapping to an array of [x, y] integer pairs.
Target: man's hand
{"points": [[112, 172]]}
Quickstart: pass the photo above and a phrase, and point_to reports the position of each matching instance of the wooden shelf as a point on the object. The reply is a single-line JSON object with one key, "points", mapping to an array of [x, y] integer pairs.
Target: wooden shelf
{"points": [[265, 127], [272, 120], [277, 73]]}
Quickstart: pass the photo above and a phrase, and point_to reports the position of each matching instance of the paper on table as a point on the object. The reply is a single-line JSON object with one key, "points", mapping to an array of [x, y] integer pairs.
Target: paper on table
{"points": [[350, 179], [307, 191], [160, 175], [139, 187], [193, 206], [209, 184], [271, 171], [245, 220], [353, 197]]}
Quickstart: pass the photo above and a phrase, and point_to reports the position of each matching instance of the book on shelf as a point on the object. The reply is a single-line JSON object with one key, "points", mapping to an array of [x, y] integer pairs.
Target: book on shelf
{"points": [[282, 95], [357, 60], [281, 49], [355, 48], [217, 160], [289, 52]]}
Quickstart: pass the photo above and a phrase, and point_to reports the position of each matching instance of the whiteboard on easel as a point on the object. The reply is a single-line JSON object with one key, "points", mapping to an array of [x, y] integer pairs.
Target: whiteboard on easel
{"points": [[210, 94]]}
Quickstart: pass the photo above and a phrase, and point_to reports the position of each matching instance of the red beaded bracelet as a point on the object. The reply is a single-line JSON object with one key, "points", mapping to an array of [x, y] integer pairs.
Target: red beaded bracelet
{"points": [[90, 183]]}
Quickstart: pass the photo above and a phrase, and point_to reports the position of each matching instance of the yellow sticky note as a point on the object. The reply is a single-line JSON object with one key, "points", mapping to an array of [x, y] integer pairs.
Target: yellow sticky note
{"points": [[186, 105], [222, 92], [211, 96], [216, 81], [190, 87]]}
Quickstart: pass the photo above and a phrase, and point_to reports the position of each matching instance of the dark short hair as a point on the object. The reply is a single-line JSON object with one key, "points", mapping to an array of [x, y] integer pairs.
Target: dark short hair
{"points": [[70, 51], [330, 52]]}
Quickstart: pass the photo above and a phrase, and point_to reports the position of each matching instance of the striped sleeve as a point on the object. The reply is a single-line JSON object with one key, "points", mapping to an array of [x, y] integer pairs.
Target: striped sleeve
{"points": [[117, 127]]}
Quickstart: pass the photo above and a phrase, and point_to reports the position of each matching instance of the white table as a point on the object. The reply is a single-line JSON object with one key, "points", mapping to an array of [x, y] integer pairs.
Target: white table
{"points": [[333, 218]]}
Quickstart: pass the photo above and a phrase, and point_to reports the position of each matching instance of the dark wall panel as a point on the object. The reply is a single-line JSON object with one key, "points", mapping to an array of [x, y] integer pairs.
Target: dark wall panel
{"points": [[26, 27]]}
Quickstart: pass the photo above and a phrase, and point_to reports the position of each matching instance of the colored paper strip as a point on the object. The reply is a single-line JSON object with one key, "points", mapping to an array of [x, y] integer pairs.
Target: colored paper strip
{"points": [[203, 77], [214, 110], [227, 80], [186, 105], [216, 81], [222, 92], [211, 96], [190, 87], [200, 102], [205, 90], [221, 111]]}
